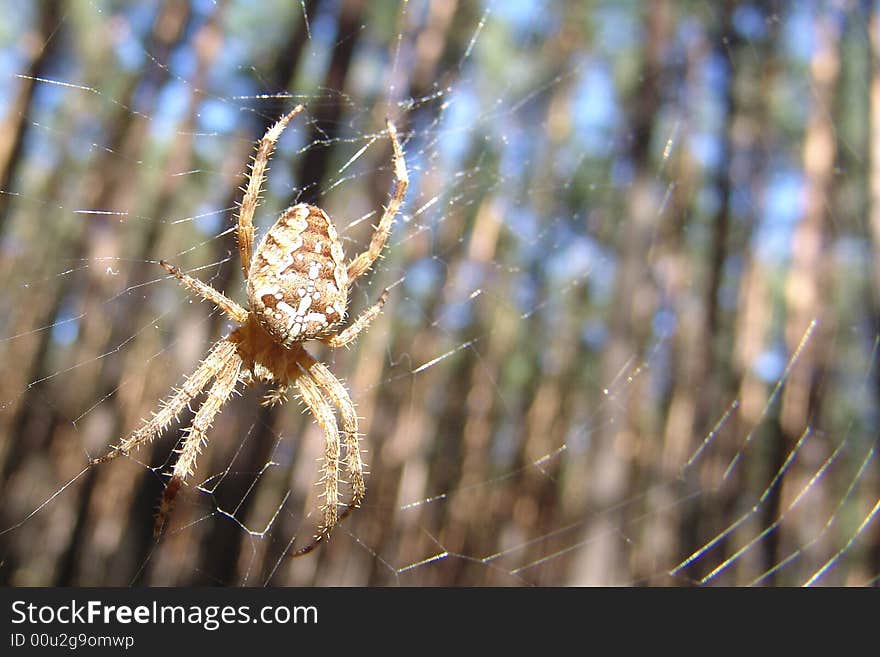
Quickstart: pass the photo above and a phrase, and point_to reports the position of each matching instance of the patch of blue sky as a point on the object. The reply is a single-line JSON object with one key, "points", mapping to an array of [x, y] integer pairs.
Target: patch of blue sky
{"points": [[664, 323], [208, 221], [522, 222], [705, 148], [228, 61], [594, 334], [216, 116], [622, 173], [458, 123], [714, 77], [783, 209], [603, 275], [456, 315], [798, 30], [65, 330], [770, 364], [616, 28], [573, 258], [728, 294], [567, 161], [130, 53], [11, 63], [691, 32], [182, 62], [170, 109], [41, 145], [708, 201], [368, 66], [525, 292], [524, 16], [15, 23], [203, 8], [518, 150], [749, 21], [595, 109], [82, 142], [423, 277], [136, 21], [281, 183], [318, 51], [853, 252]]}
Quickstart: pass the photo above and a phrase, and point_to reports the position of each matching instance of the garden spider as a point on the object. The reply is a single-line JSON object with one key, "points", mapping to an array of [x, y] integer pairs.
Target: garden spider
{"points": [[297, 287]]}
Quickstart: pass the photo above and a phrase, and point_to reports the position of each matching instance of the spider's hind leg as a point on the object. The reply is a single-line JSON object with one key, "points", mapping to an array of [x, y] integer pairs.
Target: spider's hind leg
{"points": [[326, 419], [348, 334], [275, 396], [224, 385], [320, 391], [336, 392], [222, 352]]}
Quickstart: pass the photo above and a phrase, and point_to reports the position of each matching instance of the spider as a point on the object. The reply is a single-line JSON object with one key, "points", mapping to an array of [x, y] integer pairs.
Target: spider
{"points": [[297, 287]]}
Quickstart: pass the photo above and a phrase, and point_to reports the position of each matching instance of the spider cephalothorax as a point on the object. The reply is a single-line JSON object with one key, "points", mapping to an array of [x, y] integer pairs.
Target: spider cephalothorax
{"points": [[297, 287]]}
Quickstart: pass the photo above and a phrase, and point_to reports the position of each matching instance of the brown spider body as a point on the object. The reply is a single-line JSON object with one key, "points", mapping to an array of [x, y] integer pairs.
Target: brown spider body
{"points": [[297, 287], [298, 280], [263, 358]]}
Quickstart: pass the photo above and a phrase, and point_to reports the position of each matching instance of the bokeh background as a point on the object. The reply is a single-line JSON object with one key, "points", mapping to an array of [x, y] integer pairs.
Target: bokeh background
{"points": [[635, 293]]}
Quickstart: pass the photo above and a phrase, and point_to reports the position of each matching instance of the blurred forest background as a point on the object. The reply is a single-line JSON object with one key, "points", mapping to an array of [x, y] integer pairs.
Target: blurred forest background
{"points": [[635, 288]]}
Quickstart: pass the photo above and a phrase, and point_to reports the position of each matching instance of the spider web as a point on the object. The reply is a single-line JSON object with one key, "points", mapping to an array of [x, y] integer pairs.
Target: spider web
{"points": [[527, 421]]}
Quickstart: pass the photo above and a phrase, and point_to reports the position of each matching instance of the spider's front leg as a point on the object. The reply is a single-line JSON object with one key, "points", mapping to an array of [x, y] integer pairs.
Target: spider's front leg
{"points": [[257, 176], [207, 292], [362, 263]]}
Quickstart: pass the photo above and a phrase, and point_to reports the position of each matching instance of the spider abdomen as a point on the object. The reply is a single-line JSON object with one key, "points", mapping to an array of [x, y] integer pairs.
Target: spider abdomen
{"points": [[298, 281]]}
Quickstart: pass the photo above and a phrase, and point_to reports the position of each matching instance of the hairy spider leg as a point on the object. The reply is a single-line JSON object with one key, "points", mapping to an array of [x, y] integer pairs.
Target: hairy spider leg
{"points": [[335, 391], [348, 335], [222, 352], [363, 261], [251, 199], [323, 414], [207, 292], [196, 435]]}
